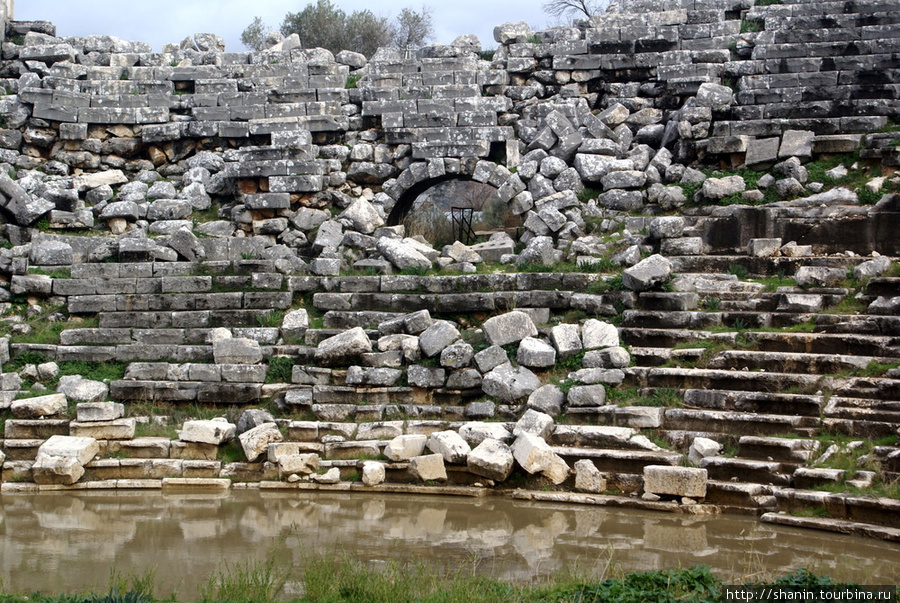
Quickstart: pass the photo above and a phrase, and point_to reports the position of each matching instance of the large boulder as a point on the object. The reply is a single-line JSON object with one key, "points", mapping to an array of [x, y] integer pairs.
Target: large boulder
{"points": [[78, 389], [61, 459], [675, 481], [214, 431], [511, 327], [510, 384], [428, 467], [343, 347], [405, 447], [492, 459], [450, 445], [255, 442], [40, 406], [647, 273], [402, 254]]}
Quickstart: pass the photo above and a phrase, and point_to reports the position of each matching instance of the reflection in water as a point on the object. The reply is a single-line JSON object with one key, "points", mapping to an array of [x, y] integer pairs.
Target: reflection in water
{"points": [[67, 542]]}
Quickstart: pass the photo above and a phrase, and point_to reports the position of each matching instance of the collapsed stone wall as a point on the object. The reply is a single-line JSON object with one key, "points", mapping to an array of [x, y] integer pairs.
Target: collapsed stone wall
{"points": [[195, 194]]}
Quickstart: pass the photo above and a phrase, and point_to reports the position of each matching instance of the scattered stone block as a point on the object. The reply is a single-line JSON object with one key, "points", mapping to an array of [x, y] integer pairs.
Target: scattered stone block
{"points": [[509, 384], [405, 447], [647, 273], [511, 327], [675, 481], [450, 445], [535, 423], [373, 473], [492, 459], [40, 406], [214, 431], [99, 411], [428, 467], [763, 248], [255, 442], [588, 478]]}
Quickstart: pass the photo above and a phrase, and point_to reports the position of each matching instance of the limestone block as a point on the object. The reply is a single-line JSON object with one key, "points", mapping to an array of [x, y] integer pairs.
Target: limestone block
{"points": [[41, 406], [78, 389], [675, 481], [701, 448], [438, 336], [48, 470], [214, 431], [535, 353], [762, 152], [763, 248], [511, 327], [402, 254], [405, 447], [714, 96], [428, 467], [490, 358], [509, 384], [614, 357], [566, 338], [547, 399], [647, 273], [293, 464], [802, 303], [372, 473], [819, 276], [597, 334], [99, 411], [117, 429], [450, 445], [588, 478], [82, 450], [719, 188], [237, 350], [424, 376], [872, 268], [255, 442], [378, 377], [667, 227], [332, 476], [51, 253], [532, 453], [508, 33], [457, 355], [464, 379], [797, 143], [475, 432], [535, 423], [591, 376], [343, 347], [492, 459], [587, 396]]}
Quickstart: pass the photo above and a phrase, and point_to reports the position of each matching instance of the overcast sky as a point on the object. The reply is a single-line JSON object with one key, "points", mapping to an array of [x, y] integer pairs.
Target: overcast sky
{"points": [[160, 22]]}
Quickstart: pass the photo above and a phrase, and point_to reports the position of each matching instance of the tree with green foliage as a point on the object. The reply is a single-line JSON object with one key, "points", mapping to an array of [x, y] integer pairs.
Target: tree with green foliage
{"points": [[324, 25], [413, 28], [254, 37]]}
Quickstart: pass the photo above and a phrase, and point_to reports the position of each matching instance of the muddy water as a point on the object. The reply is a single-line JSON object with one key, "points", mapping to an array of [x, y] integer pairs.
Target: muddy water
{"points": [[71, 542]]}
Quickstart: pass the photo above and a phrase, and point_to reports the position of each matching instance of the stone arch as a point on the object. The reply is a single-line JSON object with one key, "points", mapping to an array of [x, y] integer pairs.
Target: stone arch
{"points": [[422, 175]]}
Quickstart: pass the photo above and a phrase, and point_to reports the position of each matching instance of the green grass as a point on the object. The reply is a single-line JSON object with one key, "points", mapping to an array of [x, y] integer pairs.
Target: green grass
{"points": [[352, 81], [280, 369], [739, 271]]}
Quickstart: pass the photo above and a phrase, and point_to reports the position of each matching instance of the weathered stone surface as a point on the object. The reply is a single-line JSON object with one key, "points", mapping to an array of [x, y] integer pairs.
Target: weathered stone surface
{"points": [[586, 395], [344, 347], [667, 227], [332, 476], [426, 376], [719, 188], [534, 455], [510, 384], [476, 432], [450, 445], [508, 33], [237, 350], [402, 254], [253, 417], [535, 353], [373, 473], [437, 337], [60, 459], [295, 324], [819, 276], [547, 399], [490, 358], [457, 355], [99, 411], [214, 431], [588, 478], [675, 481], [405, 447], [534, 422], [298, 464], [492, 459], [701, 448], [255, 442], [597, 334], [79, 389], [511, 327], [647, 273], [428, 467], [763, 248], [40, 406]]}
